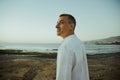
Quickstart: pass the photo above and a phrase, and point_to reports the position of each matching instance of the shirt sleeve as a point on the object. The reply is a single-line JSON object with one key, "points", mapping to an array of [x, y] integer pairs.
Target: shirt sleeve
{"points": [[64, 64]]}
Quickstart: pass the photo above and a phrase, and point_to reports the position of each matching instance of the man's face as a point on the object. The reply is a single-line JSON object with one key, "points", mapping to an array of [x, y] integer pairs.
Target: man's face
{"points": [[63, 26]]}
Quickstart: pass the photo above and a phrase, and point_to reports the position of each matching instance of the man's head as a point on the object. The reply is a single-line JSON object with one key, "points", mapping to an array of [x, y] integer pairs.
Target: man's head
{"points": [[65, 25]]}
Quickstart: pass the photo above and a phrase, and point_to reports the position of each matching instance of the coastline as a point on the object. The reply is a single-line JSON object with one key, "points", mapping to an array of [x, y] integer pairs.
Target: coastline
{"points": [[42, 66]]}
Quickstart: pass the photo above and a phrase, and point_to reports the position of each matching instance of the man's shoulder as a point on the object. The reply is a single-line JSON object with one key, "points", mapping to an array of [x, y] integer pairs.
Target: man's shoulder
{"points": [[73, 42]]}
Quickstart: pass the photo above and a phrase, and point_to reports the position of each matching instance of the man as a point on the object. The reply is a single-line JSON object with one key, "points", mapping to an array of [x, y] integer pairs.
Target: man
{"points": [[71, 58]]}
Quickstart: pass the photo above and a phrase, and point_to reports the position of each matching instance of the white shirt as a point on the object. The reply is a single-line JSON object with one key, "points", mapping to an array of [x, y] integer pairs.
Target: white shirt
{"points": [[71, 60]]}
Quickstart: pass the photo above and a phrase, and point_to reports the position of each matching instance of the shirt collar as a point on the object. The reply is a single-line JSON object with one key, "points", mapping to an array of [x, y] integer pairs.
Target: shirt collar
{"points": [[69, 37]]}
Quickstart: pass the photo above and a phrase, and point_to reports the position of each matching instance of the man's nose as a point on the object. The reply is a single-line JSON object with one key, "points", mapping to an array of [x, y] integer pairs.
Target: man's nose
{"points": [[57, 25]]}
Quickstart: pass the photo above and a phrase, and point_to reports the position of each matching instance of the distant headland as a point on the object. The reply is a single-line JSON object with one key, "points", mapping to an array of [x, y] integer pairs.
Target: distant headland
{"points": [[107, 41]]}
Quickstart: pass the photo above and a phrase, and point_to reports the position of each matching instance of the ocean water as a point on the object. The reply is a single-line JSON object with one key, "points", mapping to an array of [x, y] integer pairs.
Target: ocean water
{"points": [[49, 48]]}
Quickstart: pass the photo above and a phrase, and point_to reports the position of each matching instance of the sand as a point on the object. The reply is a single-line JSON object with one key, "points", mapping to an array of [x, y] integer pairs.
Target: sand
{"points": [[101, 67]]}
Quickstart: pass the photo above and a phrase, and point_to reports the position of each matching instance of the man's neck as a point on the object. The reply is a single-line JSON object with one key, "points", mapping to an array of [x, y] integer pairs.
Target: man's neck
{"points": [[67, 35]]}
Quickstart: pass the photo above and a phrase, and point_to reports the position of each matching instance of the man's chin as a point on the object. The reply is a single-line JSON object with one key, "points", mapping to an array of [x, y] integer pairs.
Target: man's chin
{"points": [[58, 34]]}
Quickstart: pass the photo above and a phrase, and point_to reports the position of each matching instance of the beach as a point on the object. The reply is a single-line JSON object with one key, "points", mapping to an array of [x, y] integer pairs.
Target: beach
{"points": [[18, 65]]}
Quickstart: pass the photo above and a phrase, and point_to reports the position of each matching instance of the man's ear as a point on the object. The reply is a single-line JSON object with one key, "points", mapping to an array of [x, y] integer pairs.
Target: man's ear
{"points": [[72, 26]]}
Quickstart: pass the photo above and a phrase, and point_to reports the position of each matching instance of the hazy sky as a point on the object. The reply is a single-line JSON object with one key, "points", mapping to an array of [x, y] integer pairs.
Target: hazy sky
{"points": [[35, 20]]}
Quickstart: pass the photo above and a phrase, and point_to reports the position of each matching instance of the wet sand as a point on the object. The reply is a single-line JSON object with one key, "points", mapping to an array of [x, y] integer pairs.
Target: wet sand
{"points": [[41, 66]]}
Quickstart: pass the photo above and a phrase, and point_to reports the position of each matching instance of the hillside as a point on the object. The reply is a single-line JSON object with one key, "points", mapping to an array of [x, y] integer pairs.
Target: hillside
{"points": [[107, 41], [111, 39]]}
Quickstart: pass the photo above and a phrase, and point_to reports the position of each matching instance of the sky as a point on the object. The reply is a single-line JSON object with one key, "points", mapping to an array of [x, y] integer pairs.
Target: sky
{"points": [[33, 21]]}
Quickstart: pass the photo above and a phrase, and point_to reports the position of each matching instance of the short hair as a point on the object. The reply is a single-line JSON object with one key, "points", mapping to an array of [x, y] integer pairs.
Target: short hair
{"points": [[70, 17]]}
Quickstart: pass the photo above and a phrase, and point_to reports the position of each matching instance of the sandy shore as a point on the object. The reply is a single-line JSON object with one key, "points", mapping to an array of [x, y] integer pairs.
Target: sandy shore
{"points": [[40, 66]]}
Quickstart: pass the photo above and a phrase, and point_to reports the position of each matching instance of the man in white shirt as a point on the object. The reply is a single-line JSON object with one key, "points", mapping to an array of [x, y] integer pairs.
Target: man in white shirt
{"points": [[71, 58]]}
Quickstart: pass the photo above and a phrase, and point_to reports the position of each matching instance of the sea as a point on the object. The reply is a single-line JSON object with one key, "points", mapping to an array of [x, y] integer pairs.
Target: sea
{"points": [[53, 47]]}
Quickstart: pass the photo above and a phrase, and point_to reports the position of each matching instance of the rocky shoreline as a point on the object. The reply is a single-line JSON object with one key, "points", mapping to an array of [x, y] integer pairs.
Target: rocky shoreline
{"points": [[42, 66]]}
